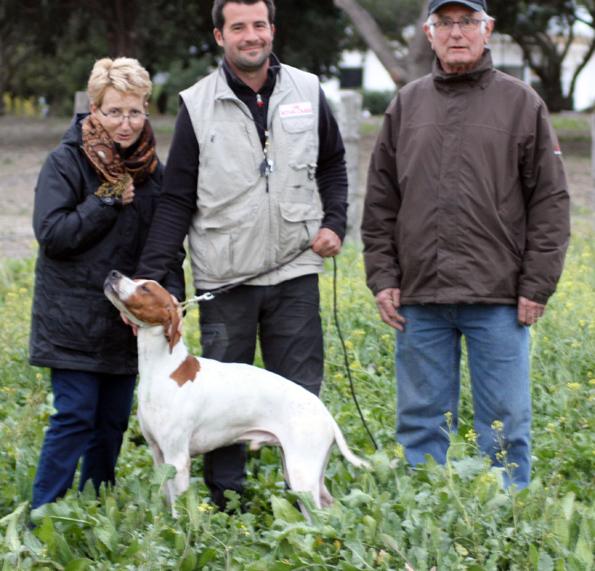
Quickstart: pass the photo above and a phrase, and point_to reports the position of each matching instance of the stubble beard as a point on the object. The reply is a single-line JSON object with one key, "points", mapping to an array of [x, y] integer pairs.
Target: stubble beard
{"points": [[250, 65]]}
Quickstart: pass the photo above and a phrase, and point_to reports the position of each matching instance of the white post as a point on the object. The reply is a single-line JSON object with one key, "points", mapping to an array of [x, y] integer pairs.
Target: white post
{"points": [[349, 118], [593, 149], [592, 197], [81, 102]]}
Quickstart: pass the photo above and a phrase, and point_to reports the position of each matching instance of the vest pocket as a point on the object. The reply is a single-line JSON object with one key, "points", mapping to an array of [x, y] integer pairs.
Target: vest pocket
{"points": [[301, 184], [230, 250], [300, 139], [298, 124], [300, 223]]}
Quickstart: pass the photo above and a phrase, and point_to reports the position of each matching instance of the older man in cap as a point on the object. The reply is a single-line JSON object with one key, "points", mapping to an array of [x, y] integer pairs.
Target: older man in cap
{"points": [[465, 229]]}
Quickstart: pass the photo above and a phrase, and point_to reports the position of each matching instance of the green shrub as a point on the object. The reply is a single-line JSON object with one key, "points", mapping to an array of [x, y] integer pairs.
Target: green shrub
{"points": [[376, 102]]}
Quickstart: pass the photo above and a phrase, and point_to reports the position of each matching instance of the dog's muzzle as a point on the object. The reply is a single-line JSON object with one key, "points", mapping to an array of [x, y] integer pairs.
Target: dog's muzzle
{"points": [[109, 285]]}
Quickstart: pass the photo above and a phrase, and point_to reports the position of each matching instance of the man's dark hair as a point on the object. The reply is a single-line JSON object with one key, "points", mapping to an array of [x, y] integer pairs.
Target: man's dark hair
{"points": [[218, 5]]}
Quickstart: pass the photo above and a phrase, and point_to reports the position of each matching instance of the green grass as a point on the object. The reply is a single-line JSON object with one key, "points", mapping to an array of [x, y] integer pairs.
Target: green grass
{"points": [[445, 517], [572, 122]]}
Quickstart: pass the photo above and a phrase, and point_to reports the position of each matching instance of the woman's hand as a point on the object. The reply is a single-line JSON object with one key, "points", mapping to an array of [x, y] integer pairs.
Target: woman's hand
{"points": [[128, 194]]}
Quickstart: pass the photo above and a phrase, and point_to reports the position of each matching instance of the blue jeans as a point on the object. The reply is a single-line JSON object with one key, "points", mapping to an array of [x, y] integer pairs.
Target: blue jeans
{"points": [[428, 381], [92, 411]]}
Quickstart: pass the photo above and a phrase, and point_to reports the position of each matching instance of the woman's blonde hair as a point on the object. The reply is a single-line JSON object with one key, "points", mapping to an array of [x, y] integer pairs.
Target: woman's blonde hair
{"points": [[124, 74]]}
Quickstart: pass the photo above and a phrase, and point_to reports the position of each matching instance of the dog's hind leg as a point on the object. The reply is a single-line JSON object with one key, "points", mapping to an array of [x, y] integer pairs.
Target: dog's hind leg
{"points": [[326, 499], [303, 476]]}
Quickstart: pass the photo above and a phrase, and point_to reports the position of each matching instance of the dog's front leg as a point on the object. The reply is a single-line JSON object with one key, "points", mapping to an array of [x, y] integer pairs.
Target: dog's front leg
{"points": [[180, 482]]}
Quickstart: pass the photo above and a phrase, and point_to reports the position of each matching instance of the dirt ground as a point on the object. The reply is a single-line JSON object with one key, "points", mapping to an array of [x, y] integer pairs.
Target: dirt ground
{"points": [[25, 143]]}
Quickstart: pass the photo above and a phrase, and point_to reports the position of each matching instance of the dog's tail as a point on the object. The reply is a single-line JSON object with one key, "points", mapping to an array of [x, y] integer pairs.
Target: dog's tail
{"points": [[347, 453]]}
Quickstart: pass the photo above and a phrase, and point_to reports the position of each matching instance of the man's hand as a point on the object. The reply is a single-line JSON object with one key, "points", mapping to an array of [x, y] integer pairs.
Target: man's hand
{"points": [[388, 302], [529, 311], [326, 243]]}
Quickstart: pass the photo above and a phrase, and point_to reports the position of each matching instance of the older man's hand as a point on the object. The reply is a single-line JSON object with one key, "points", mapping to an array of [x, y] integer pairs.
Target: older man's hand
{"points": [[529, 311], [388, 302]]}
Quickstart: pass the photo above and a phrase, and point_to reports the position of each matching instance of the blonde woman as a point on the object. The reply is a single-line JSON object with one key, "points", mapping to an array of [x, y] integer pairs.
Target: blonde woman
{"points": [[94, 201]]}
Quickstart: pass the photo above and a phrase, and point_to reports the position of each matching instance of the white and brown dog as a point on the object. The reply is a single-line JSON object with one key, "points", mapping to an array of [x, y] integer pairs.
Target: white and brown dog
{"points": [[189, 406]]}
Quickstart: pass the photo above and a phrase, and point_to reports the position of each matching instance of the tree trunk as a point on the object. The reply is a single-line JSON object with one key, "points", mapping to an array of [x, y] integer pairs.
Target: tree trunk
{"points": [[120, 20], [370, 32], [554, 97], [421, 55], [550, 75]]}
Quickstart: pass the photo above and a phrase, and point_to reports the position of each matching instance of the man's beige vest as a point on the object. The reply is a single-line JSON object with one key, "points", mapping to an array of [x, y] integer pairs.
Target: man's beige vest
{"points": [[249, 220]]}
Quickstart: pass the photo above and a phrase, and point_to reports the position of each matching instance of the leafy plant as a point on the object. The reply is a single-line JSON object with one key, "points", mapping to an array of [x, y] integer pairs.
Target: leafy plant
{"points": [[436, 517]]}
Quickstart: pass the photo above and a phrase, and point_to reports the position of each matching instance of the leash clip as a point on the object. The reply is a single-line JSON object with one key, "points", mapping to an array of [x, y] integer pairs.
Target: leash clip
{"points": [[208, 296], [204, 297]]}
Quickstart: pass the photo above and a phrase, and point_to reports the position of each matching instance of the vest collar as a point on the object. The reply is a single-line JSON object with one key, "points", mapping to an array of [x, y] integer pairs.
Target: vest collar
{"points": [[281, 87]]}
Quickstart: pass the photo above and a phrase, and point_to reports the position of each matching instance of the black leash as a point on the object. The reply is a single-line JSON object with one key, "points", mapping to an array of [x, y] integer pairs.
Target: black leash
{"points": [[346, 357], [209, 295]]}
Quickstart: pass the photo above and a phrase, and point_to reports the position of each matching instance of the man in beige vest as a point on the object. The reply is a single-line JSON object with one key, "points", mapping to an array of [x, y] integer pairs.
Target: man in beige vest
{"points": [[256, 178]]}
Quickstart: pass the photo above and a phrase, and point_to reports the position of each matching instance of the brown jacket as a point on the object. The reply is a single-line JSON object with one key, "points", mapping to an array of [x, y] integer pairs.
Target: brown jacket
{"points": [[467, 199]]}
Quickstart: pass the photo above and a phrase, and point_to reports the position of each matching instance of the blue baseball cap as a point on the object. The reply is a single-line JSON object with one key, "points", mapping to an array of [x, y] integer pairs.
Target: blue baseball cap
{"points": [[477, 5]]}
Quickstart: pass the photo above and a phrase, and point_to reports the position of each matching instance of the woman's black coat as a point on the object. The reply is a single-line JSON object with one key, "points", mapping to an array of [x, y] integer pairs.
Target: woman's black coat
{"points": [[81, 240]]}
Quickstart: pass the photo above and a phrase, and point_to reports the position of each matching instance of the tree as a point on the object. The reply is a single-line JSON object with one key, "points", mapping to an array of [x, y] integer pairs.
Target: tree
{"points": [[545, 32], [15, 41], [378, 22], [310, 34], [48, 48]]}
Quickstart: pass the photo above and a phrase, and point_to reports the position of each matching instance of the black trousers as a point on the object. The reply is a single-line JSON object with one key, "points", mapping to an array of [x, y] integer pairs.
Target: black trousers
{"points": [[285, 318]]}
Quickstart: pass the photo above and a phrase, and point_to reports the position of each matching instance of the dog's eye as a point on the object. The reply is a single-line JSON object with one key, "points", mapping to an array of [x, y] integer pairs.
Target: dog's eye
{"points": [[144, 288]]}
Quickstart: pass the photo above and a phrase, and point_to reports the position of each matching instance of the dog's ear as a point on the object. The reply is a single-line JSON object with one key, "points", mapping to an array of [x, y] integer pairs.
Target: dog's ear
{"points": [[173, 329]]}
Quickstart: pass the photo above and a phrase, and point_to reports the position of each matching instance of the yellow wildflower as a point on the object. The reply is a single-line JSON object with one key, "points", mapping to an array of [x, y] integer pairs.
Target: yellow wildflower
{"points": [[498, 426]]}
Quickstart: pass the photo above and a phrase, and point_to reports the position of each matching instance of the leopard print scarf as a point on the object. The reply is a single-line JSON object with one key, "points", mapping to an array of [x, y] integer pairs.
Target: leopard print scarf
{"points": [[115, 171]]}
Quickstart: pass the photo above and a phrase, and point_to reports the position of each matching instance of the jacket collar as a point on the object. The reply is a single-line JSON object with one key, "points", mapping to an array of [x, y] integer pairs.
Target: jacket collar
{"points": [[480, 75]]}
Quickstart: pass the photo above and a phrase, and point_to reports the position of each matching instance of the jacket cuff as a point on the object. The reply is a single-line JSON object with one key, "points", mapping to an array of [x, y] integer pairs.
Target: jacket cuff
{"points": [[533, 295], [378, 285], [96, 211], [338, 231]]}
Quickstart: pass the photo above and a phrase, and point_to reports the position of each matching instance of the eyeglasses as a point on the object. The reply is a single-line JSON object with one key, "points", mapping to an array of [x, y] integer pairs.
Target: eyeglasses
{"points": [[116, 116], [466, 24]]}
